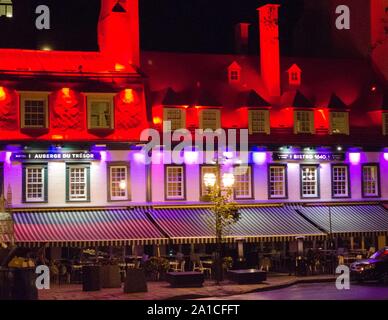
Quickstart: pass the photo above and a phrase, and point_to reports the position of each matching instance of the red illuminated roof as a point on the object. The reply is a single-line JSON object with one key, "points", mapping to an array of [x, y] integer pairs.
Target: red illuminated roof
{"points": [[16, 60]]}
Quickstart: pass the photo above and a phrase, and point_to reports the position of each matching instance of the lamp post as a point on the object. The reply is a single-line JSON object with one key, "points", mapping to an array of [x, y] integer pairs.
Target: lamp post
{"points": [[224, 210]]}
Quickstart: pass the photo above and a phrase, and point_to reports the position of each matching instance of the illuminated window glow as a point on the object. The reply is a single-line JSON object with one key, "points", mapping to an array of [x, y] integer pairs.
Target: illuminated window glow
{"points": [[309, 183], [210, 119], [259, 121], [118, 182], [339, 123], [204, 171], [6, 8], [176, 117], [243, 182]]}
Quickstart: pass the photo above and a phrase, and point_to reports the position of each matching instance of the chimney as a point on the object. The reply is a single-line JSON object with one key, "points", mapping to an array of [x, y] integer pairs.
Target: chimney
{"points": [[242, 38], [269, 48], [118, 31]]}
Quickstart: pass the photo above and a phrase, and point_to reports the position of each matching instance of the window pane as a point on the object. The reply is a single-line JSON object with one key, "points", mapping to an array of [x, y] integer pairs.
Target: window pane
{"points": [[35, 113], [78, 184], [210, 119], [309, 182], [205, 170], [277, 182], [100, 115], [370, 181], [339, 122], [175, 116], [258, 121], [243, 183], [175, 183], [340, 181], [303, 121], [34, 188], [119, 183]]}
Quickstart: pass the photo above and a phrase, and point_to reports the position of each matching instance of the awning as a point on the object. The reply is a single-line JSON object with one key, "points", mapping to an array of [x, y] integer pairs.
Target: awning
{"points": [[197, 225], [349, 219], [86, 228]]}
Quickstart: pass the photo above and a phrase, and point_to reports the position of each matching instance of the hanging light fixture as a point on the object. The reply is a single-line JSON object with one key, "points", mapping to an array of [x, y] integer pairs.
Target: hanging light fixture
{"points": [[118, 8]]}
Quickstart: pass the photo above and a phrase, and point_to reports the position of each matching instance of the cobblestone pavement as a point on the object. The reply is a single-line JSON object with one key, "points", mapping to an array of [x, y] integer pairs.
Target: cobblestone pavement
{"points": [[318, 291], [162, 290]]}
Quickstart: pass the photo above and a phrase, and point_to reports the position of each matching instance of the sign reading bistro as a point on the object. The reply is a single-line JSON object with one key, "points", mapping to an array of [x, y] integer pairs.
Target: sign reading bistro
{"points": [[279, 156], [53, 156]]}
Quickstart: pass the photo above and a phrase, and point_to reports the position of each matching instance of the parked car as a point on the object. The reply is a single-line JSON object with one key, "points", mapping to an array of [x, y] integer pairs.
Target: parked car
{"points": [[373, 269]]}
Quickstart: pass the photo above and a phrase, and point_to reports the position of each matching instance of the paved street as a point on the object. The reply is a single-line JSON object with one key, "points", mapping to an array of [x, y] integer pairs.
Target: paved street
{"points": [[319, 291]]}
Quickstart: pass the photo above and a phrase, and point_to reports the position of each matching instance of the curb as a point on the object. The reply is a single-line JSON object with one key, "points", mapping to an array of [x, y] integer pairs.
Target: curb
{"points": [[269, 288]]}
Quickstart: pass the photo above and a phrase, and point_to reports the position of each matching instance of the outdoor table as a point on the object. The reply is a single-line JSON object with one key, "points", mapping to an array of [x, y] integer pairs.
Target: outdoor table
{"points": [[174, 264]]}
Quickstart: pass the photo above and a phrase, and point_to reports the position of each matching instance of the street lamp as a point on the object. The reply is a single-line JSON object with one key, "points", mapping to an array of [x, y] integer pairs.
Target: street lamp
{"points": [[210, 180], [228, 180]]}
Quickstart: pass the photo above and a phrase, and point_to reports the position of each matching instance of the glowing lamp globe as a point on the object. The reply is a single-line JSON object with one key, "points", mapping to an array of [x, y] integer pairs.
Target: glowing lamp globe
{"points": [[210, 180], [228, 180]]}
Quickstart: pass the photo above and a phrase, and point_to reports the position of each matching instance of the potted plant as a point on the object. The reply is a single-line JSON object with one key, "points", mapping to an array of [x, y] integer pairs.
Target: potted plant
{"points": [[156, 267]]}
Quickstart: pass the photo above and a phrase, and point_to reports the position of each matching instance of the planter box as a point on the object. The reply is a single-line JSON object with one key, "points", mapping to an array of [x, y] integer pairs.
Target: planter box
{"points": [[91, 278], [185, 279], [135, 281], [248, 276], [110, 276]]}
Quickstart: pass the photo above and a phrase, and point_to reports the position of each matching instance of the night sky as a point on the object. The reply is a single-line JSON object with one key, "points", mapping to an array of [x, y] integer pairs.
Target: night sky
{"points": [[165, 25]]}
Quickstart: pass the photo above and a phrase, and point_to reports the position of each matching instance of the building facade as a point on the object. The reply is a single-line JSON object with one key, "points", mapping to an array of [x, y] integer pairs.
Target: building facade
{"points": [[74, 125]]}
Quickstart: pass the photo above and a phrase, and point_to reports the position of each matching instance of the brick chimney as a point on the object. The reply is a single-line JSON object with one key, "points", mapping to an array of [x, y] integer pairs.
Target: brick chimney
{"points": [[118, 31], [269, 48], [242, 38]]}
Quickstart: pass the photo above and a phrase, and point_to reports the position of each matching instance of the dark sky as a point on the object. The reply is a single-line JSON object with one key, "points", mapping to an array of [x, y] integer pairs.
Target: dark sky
{"points": [[168, 25]]}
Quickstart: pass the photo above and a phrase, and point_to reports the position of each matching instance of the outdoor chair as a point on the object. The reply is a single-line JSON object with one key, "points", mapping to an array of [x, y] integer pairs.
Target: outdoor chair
{"points": [[265, 265], [198, 266], [180, 267]]}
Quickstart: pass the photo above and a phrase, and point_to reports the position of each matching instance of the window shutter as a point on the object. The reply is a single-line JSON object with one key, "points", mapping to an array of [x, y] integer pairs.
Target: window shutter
{"points": [[67, 183], [201, 119], [24, 184], [331, 119], [296, 122], [312, 121], [88, 183], [385, 124], [267, 122], [183, 117], [347, 128], [45, 172], [250, 127], [218, 121]]}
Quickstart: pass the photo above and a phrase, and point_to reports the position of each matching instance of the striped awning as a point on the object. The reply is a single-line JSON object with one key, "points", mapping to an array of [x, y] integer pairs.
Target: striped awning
{"points": [[86, 228], [197, 225], [349, 219]]}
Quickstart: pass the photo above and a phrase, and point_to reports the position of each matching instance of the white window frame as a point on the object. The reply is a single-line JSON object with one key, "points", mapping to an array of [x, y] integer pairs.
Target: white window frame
{"points": [[277, 183], [100, 97], [217, 124], [75, 198], [385, 123], [33, 96], [170, 181], [124, 197], [340, 181], [176, 123], [309, 183], [42, 170], [299, 123], [263, 117], [243, 176], [336, 127], [373, 181]]}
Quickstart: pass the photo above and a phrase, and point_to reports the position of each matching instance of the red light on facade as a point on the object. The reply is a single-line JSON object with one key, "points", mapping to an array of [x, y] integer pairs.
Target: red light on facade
{"points": [[157, 120], [57, 137], [66, 92], [185, 107], [119, 67], [3, 94], [128, 96]]}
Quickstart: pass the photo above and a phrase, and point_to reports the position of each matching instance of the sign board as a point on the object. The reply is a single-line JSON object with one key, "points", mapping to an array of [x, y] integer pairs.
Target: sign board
{"points": [[56, 156], [280, 156]]}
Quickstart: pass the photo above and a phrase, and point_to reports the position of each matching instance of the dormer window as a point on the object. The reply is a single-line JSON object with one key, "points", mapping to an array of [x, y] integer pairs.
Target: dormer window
{"points": [[339, 122], [294, 75], [234, 72], [304, 122], [6, 8]]}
